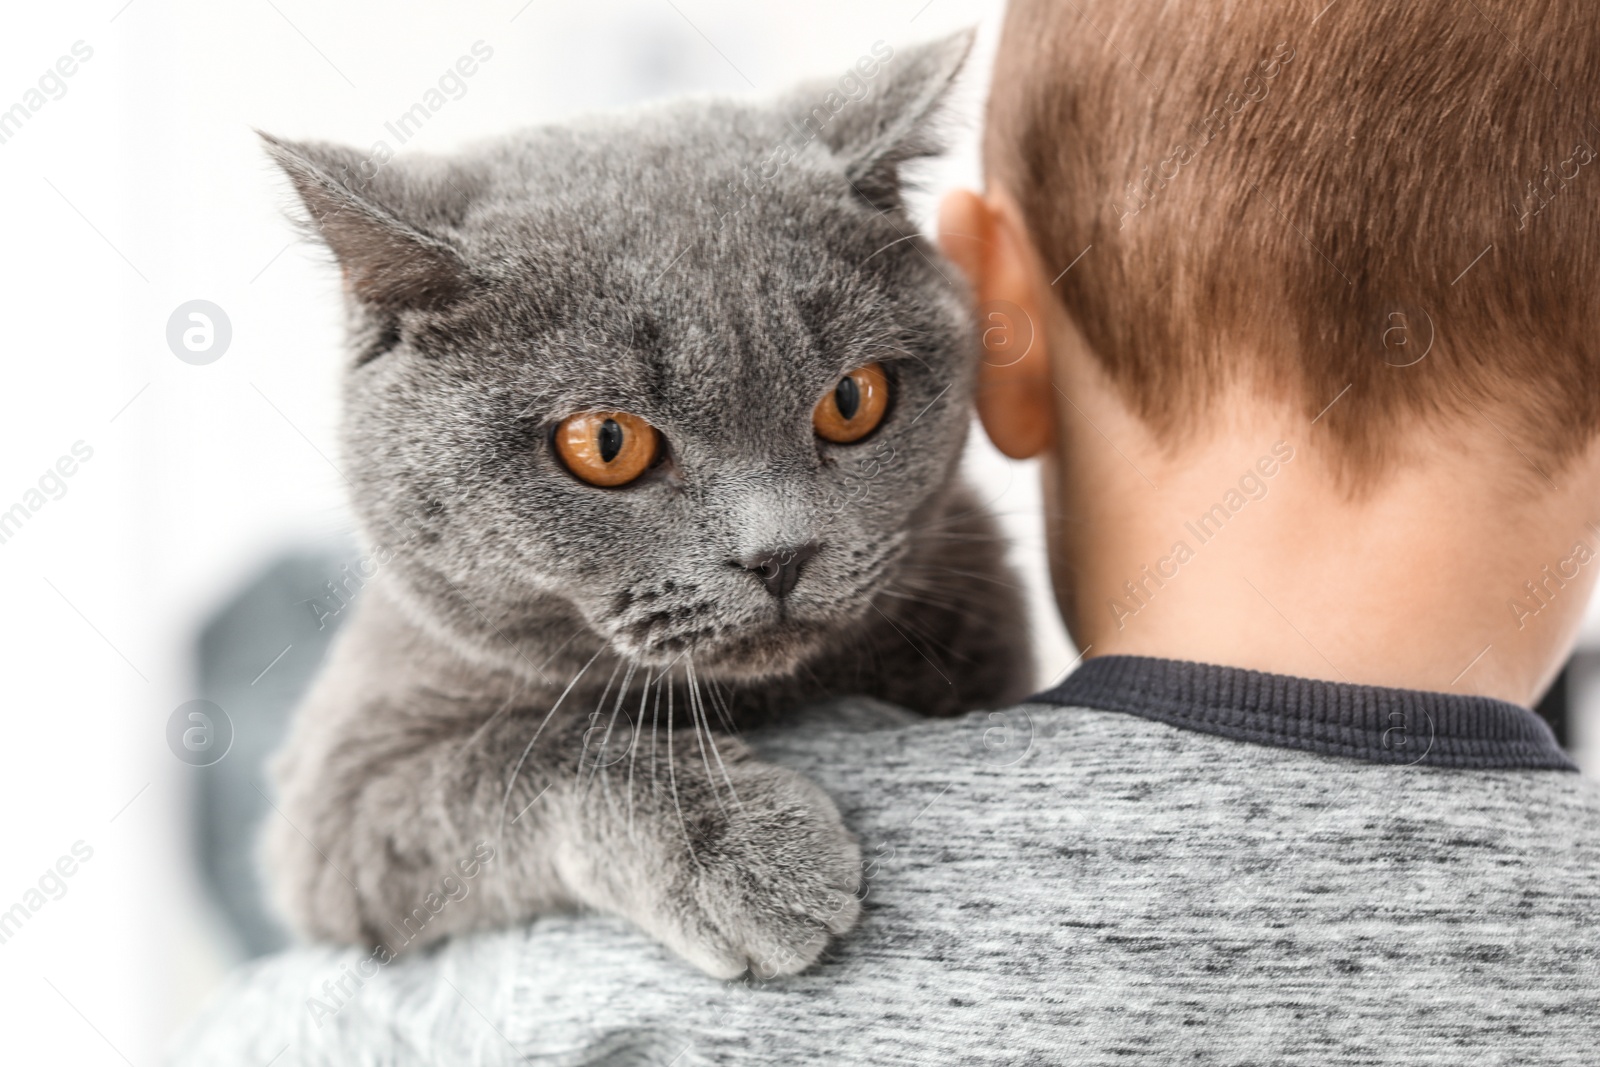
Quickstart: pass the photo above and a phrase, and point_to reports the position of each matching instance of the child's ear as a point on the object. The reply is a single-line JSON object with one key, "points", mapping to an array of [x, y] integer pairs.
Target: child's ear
{"points": [[1015, 398]]}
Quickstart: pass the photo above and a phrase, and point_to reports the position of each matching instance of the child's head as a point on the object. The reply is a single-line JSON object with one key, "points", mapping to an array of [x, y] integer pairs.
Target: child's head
{"points": [[1364, 233], [1395, 205]]}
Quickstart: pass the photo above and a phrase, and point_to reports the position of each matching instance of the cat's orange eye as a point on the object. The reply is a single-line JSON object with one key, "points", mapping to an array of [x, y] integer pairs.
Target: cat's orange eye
{"points": [[607, 448], [855, 407]]}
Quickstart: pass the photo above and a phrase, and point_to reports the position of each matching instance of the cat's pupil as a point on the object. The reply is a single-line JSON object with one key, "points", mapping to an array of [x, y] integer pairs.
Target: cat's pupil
{"points": [[847, 394], [610, 440]]}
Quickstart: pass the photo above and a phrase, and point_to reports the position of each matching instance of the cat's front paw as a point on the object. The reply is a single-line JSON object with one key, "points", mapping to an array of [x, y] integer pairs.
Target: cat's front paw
{"points": [[767, 877]]}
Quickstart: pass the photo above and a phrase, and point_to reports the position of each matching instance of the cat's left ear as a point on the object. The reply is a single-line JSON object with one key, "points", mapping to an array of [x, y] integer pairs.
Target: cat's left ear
{"points": [[362, 208], [895, 119]]}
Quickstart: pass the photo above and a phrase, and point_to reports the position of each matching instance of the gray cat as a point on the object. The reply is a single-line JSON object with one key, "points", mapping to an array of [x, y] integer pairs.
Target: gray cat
{"points": [[652, 426]]}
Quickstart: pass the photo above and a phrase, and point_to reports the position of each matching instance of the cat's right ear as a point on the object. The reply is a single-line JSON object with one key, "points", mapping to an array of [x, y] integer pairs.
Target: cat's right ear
{"points": [[388, 264], [886, 112]]}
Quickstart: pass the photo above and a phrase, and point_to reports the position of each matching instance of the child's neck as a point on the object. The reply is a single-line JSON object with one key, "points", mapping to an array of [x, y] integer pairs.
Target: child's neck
{"points": [[1462, 571]]}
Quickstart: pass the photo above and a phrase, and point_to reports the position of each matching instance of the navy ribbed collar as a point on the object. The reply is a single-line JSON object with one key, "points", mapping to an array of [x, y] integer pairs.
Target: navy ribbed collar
{"points": [[1404, 726]]}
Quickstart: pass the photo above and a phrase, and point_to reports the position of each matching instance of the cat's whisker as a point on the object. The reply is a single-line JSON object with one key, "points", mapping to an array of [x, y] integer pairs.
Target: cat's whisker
{"points": [[672, 776], [916, 595], [481, 731], [511, 783], [920, 631], [472, 738], [815, 677], [980, 538], [954, 519], [600, 766], [599, 704], [975, 517], [724, 715], [633, 749], [918, 598], [693, 695], [655, 723], [908, 237], [603, 761], [711, 739], [933, 642], [939, 578], [558, 650], [931, 662], [901, 351], [930, 568], [627, 684]]}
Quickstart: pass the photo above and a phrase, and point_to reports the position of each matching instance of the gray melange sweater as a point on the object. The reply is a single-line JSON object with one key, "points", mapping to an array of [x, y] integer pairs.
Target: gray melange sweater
{"points": [[1223, 868]]}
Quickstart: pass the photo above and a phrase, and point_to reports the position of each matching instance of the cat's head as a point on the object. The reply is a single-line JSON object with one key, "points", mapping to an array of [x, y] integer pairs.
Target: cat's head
{"points": [[681, 379]]}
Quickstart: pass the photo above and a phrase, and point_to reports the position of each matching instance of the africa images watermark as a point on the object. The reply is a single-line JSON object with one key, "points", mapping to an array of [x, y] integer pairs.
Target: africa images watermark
{"points": [[1153, 577], [403, 531], [452, 889], [342, 594], [451, 86], [51, 85], [1540, 592], [1552, 182], [52, 885], [52, 485]]}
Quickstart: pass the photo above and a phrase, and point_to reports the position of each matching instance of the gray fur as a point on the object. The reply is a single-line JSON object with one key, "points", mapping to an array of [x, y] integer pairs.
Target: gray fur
{"points": [[555, 668]]}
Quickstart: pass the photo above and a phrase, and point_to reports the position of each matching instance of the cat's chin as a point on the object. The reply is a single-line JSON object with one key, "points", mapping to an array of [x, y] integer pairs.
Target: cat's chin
{"points": [[749, 655]]}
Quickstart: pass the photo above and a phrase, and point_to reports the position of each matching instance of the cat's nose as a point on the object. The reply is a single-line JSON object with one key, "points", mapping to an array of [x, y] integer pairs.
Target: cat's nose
{"points": [[778, 568]]}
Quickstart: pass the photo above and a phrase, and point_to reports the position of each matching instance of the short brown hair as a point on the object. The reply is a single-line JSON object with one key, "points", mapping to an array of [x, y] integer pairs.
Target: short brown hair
{"points": [[1286, 197]]}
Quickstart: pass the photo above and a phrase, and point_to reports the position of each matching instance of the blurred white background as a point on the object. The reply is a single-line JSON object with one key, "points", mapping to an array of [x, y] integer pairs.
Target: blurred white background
{"points": [[141, 187]]}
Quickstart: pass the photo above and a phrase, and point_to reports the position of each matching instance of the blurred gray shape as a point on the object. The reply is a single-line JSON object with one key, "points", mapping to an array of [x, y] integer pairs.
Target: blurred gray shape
{"points": [[649, 56], [256, 656], [657, 59]]}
